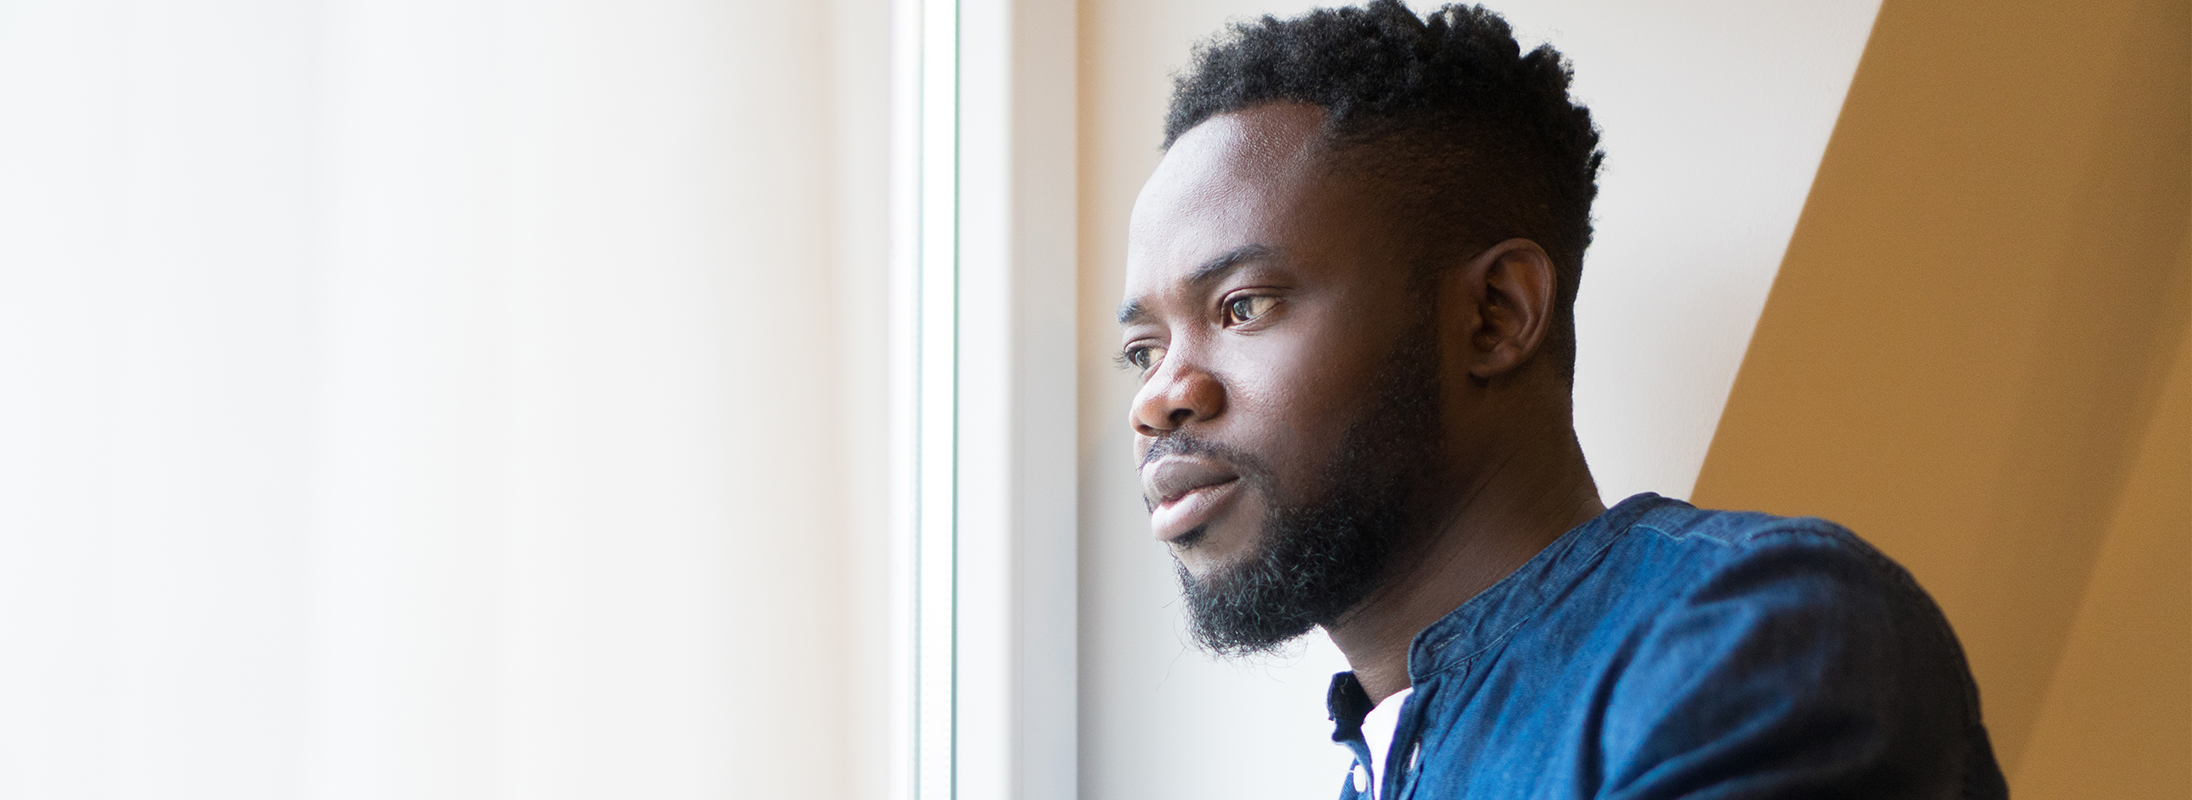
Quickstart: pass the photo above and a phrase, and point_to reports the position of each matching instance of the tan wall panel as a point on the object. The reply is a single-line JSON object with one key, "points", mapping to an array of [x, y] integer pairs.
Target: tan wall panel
{"points": [[2117, 721], [1974, 320]]}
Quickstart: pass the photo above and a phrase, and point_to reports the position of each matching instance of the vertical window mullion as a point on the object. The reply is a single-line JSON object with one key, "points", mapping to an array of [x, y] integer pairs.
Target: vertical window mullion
{"points": [[936, 376]]}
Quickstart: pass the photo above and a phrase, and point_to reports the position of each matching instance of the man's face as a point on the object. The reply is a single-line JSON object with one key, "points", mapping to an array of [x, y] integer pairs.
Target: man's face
{"points": [[1289, 375]]}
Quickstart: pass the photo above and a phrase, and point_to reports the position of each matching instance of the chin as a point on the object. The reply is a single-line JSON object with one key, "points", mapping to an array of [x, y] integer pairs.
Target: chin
{"points": [[1213, 570], [1214, 547]]}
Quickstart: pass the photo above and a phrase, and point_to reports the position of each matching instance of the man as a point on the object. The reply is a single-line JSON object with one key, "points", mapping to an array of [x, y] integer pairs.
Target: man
{"points": [[1348, 298]]}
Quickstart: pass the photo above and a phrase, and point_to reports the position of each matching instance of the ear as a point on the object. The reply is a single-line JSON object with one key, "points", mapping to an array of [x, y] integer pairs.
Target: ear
{"points": [[1497, 308]]}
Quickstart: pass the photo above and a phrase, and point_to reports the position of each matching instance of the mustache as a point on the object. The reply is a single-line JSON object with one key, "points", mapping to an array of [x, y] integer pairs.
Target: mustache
{"points": [[1181, 444], [1186, 444]]}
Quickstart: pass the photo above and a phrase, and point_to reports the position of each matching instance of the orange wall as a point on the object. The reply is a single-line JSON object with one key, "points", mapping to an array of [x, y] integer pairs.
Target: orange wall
{"points": [[1974, 355]]}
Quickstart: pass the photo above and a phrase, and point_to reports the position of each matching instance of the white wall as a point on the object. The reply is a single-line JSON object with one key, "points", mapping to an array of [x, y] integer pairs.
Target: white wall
{"points": [[1715, 114], [441, 399]]}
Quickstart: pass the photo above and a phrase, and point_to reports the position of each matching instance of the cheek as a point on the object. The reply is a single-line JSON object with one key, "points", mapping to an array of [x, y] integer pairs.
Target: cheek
{"points": [[1295, 401]]}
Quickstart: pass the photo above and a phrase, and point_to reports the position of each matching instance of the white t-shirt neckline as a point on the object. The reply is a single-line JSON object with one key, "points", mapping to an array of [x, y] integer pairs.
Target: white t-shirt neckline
{"points": [[1378, 728]]}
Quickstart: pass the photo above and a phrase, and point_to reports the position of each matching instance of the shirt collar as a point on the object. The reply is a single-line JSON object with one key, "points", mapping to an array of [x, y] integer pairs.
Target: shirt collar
{"points": [[1482, 620], [1347, 704]]}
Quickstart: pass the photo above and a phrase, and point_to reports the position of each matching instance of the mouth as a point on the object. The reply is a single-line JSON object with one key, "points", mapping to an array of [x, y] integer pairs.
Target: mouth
{"points": [[1184, 494]]}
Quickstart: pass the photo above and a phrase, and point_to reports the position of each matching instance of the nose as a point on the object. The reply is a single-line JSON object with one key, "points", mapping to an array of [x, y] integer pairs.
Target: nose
{"points": [[1178, 394]]}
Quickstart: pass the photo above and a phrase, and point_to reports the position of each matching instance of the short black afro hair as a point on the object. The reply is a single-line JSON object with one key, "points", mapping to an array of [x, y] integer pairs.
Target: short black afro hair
{"points": [[1477, 141]]}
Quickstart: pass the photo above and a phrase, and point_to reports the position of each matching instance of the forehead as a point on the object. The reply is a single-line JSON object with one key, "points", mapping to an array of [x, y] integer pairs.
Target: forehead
{"points": [[1236, 180]]}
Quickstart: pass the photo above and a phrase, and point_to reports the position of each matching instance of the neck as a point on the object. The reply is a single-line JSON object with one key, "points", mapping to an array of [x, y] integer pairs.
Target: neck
{"points": [[1498, 520]]}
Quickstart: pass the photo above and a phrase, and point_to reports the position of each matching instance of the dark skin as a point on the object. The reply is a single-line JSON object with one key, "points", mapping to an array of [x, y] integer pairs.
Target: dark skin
{"points": [[1265, 286]]}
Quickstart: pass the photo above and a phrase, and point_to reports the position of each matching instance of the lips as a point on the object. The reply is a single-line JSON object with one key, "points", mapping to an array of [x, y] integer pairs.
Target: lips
{"points": [[1184, 492]]}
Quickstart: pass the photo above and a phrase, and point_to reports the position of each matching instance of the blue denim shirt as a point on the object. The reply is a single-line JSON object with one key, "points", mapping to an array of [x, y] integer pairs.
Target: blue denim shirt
{"points": [[1663, 651]]}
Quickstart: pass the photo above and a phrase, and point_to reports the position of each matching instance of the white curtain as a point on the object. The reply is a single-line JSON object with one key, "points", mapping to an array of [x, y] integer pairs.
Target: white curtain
{"points": [[458, 399]]}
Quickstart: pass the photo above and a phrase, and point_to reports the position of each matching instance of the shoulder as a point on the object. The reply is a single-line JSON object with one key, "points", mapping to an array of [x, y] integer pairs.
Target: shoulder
{"points": [[1713, 556], [1800, 584], [1787, 642], [1732, 533]]}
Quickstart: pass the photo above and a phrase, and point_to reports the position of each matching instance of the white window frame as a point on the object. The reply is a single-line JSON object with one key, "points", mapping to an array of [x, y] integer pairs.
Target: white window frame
{"points": [[985, 383]]}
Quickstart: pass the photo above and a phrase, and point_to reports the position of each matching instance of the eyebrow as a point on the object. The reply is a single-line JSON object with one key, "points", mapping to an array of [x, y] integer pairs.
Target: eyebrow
{"points": [[1133, 311]]}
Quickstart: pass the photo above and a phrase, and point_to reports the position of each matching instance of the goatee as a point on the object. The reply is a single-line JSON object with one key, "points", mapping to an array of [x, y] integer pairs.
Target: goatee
{"points": [[1319, 557]]}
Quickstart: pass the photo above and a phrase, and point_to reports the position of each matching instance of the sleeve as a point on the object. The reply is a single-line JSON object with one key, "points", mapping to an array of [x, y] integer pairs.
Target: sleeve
{"points": [[1808, 665]]}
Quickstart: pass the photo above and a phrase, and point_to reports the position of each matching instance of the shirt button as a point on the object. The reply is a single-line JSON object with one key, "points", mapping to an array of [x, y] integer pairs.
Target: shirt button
{"points": [[1362, 779]]}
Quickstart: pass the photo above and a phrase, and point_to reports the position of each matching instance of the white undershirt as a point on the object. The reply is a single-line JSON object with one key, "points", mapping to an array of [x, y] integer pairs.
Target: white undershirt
{"points": [[1377, 732]]}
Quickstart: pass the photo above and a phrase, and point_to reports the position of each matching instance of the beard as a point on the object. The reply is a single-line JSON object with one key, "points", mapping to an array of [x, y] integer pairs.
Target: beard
{"points": [[1320, 554]]}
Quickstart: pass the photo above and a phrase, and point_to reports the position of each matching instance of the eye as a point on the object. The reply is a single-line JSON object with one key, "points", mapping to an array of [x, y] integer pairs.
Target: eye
{"points": [[1142, 357], [1247, 308]]}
